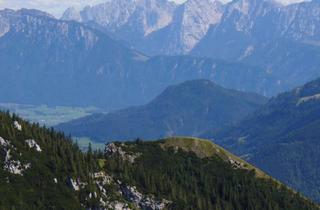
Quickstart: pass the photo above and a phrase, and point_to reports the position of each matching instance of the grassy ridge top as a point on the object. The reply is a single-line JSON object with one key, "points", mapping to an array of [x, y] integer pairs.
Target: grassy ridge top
{"points": [[205, 148]]}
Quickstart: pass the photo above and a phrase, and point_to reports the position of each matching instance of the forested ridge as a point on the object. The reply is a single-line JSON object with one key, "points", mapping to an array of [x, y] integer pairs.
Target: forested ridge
{"points": [[44, 169], [282, 138], [59, 159], [191, 182]]}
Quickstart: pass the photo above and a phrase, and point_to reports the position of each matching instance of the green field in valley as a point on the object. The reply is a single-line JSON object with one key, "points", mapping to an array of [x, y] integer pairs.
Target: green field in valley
{"points": [[47, 115]]}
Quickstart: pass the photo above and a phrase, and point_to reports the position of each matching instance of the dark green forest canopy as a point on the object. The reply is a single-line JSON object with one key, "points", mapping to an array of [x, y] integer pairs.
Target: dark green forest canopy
{"points": [[191, 182], [160, 170], [59, 159]]}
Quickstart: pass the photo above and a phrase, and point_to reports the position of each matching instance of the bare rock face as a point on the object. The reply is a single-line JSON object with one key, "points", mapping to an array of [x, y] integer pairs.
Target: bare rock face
{"points": [[112, 149], [11, 164], [72, 14], [17, 125], [140, 16], [126, 194], [143, 201], [74, 184], [4, 143], [4, 26], [236, 164], [191, 23], [103, 182], [15, 166], [33, 145]]}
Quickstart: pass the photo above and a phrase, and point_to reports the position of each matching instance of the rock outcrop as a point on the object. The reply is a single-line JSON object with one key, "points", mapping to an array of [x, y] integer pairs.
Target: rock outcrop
{"points": [[32, 144], [113, 149], [11, 164]]}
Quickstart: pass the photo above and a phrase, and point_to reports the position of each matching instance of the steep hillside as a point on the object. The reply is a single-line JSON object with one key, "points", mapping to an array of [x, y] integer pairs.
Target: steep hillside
{"points": [[38, 166], [196, 174], [282, 138], [56, 62], [42, 169], [187, 109]]}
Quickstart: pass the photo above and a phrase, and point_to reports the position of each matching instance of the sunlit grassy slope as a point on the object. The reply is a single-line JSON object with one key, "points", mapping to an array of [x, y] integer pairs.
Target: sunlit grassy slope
{"points": [[205, 148]]}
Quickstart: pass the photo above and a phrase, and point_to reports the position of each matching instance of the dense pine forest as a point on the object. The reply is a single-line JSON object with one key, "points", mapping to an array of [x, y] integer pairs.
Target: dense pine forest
{"points": [[44, 169], [191, 182], [45, 184]]}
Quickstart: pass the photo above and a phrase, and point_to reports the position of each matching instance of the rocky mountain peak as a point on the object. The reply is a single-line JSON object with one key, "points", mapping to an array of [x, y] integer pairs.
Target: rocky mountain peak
{"points": [[11, 14], [142, 16], [112, 14], [256, 7], [33, 12], [4, 25], [152, 15], [72, 14], [193, 20], [301, 22], [210, 11], [31, 23]]}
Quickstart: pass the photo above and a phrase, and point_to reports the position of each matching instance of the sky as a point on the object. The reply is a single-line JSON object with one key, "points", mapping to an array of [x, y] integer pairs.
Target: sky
{"points": [[56, 7]]}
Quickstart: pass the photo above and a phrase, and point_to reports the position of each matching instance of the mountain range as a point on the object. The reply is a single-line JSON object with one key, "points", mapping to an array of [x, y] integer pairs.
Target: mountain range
{"points": [[282, 138], [185, 26], [49, 61], [249, 45], [91, 64], [283, 40], [187, 109], [153, 26], [42, 169], [126, 53]]}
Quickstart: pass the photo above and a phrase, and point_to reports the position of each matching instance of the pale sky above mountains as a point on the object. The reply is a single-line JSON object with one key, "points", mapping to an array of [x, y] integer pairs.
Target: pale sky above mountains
{"points": [[56, 7]]}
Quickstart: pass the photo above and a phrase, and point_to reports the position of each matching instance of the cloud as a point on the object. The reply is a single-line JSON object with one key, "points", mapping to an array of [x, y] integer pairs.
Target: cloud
{"points": [[281, 1], [290, 1], [56, 7]]}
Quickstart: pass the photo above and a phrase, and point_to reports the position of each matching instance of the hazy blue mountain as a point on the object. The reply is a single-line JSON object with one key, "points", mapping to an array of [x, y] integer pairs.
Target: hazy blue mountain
{"points": [[182, 27], [129, 20], [282, 40], [152, 26], [282, 138], [54, 62], [187, 109], [47, 61]]}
